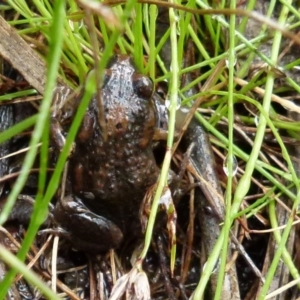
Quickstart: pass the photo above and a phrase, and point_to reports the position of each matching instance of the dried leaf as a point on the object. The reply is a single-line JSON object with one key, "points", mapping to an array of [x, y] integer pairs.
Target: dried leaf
{"points": [[135, 285]]}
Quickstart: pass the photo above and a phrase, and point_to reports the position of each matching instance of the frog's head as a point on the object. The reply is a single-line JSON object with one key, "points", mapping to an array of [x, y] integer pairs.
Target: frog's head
{"points": [[127, 99]]}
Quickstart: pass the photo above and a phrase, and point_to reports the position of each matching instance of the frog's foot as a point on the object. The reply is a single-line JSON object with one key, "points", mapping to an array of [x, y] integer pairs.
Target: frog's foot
{"points": [[56, 231], [160, 134], [87, 231]]}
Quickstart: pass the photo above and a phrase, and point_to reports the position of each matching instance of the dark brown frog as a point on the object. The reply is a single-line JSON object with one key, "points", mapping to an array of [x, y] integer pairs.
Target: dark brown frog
{"points": [[109, 178]]}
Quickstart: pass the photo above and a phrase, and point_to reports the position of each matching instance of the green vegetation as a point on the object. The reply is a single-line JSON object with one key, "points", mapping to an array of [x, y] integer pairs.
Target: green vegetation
{"points": [[248, 111]]}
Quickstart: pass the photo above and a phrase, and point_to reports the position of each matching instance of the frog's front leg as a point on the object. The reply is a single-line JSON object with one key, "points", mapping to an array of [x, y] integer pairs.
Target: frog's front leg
{"points": [[87, 231], [65, 103]]}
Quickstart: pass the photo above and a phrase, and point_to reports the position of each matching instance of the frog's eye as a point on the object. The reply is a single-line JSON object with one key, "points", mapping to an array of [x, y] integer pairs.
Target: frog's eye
{"points": [[143, 86]]}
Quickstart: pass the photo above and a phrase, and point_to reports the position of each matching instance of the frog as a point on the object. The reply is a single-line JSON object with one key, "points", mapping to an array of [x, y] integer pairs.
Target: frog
{"points": [[110, 174]]}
